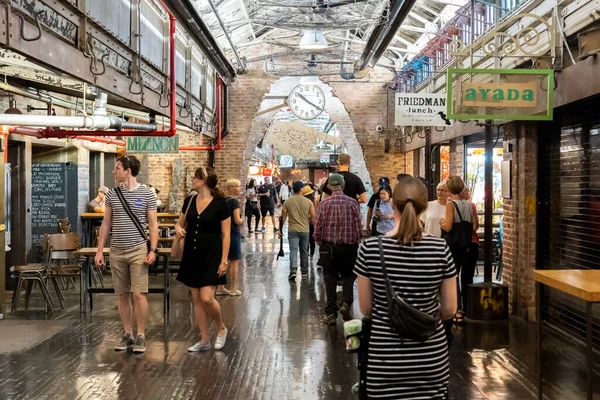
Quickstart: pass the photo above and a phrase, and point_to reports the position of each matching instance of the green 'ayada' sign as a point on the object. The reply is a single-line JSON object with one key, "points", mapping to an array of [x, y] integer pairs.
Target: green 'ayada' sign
{"points": [[153, 144]]}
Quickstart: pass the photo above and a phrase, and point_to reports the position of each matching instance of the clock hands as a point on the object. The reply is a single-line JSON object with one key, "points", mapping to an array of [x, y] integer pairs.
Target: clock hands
{"points": [[308, 101]]}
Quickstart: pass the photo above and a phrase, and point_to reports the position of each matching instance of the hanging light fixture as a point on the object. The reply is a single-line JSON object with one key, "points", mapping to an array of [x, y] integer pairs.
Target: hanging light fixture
{"points": [[313, 39], [12, 107]]}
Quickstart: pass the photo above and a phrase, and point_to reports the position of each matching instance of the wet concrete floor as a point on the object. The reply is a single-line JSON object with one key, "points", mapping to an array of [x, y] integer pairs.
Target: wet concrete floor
{"points": [[277, 349]]}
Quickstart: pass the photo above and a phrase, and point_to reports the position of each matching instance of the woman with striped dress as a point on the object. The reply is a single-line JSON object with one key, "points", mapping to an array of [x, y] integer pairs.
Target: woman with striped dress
{"points": [[421, 271]]}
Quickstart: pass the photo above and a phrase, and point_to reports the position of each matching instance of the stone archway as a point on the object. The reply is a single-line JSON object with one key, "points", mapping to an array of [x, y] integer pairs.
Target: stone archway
{"points": [[243, 95]]}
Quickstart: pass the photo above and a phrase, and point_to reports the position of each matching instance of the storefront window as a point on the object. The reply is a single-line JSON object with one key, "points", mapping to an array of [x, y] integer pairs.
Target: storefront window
{"points": [[475, 180], [444, 163]]}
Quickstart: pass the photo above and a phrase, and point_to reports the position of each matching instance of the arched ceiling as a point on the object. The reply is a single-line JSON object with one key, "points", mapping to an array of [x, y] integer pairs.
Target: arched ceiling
{"points": [[266, 33]]}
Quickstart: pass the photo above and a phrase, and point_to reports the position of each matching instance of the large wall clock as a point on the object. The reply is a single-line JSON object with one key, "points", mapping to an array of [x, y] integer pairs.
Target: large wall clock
{"points": [[307, 101]]}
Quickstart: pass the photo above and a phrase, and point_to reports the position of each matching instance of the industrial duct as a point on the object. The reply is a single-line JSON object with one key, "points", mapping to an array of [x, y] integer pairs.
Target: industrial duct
{"points": [[384, 33]]}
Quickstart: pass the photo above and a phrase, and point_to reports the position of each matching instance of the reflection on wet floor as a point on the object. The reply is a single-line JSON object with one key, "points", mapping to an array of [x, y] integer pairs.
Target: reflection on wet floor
{"points": [[277, 349]]}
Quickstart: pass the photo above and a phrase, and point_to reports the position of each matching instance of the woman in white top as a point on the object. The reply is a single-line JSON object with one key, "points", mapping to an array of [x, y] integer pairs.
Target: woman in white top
{"points": [[455, 186], [284, 192], [252, 207], [436, 210]]}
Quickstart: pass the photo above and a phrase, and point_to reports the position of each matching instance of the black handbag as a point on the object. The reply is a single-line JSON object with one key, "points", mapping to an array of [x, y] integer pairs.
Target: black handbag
{"points": [[406, 320], [459, 237], [133, 218]]}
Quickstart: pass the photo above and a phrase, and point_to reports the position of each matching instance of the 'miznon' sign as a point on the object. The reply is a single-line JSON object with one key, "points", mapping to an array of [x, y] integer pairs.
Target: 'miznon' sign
{"points": [[152, 144], [503, 94]]}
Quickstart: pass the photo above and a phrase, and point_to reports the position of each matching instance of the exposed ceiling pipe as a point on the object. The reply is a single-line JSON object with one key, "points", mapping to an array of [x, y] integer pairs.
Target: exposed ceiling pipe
{"points": [[219, 124], [83, 122], [52, 99], [384, 33], [40, 134]]}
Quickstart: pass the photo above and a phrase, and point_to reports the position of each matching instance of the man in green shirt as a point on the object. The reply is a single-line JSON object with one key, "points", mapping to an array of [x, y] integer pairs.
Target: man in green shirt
{"points": [[301, 213]]}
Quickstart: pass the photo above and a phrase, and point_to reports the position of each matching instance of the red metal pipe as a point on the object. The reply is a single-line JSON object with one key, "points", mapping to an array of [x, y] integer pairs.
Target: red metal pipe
{"points": [[41, 134], [219, 125], [100, 139]]}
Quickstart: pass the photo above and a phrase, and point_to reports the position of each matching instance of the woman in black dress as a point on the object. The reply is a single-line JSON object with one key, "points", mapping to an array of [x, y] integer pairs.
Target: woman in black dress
{"points": [[206, 229]]}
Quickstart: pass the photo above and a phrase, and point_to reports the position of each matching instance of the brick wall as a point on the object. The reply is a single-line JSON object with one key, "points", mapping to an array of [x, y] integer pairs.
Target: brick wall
{"points": [[369, 105], [160, 167], [519, 221]]}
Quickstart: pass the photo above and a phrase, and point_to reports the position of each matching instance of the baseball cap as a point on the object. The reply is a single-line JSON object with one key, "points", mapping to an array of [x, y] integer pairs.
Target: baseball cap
{"points": [[306, 190], [336, 180], [384, 181], [103, 189], [297, 186]]}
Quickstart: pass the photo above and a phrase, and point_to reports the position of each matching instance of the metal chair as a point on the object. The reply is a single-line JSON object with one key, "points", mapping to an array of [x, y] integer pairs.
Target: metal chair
{"points": [[63, 263], [64, 226], [32, 273]]}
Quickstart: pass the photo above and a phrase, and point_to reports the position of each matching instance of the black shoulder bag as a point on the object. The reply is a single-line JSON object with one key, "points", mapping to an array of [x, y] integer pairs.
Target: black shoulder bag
{"points": [[406, 320], [459, 237], [132, 216]]}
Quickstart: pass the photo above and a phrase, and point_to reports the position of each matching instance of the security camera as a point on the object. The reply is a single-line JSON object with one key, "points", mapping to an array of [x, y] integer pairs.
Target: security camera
{"points": [[379, 128]]}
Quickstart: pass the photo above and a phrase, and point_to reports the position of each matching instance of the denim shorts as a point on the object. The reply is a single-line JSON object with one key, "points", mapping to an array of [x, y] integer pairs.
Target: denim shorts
{"points": [[235, 248]]}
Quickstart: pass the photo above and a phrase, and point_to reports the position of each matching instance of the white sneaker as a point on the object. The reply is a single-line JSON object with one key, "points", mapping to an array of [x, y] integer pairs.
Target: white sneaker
{"points": [[222, 292], [235, 292], [221, 339], [199, 347]]}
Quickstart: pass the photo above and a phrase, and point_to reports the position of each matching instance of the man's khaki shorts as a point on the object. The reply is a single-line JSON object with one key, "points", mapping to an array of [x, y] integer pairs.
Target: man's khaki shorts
{"points": [[129, 272]]}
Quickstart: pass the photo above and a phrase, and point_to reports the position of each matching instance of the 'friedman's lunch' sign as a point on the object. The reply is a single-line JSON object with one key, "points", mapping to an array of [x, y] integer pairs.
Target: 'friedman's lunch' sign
{"points": [[421, 109]]}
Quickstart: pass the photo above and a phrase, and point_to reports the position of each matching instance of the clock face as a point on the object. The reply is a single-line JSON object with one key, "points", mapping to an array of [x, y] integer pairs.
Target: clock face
{"points": [[307, 101]]}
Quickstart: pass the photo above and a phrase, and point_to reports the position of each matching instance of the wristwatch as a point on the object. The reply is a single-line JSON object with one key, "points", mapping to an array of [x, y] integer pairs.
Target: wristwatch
{"points": [[155, 250], [225, 262]]}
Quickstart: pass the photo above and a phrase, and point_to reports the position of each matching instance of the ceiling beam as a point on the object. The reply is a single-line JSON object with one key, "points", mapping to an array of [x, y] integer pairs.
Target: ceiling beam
{"points": [[398, 49], [413, 28], [418, 17]]}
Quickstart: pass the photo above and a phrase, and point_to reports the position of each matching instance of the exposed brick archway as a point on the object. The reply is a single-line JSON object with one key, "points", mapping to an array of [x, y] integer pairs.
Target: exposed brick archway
{"points": [[357, 107], [233, 161]]}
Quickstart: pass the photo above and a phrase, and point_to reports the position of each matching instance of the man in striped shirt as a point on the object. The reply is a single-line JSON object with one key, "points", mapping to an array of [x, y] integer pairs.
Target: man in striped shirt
{"points": [[338, 232], [130, 257]]}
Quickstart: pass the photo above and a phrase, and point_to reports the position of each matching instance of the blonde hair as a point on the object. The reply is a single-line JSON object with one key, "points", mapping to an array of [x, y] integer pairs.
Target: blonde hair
{"points": [[410, 199], [231, 183], [455, 184]]}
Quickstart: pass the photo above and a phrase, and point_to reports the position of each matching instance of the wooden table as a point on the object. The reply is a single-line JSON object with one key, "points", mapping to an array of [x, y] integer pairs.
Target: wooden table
{"points": [[89, 220], [583, 284], [86, 279]]}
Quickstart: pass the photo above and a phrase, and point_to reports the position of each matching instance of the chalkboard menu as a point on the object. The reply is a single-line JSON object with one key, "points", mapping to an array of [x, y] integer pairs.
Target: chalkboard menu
{"points": [[48, 198]]}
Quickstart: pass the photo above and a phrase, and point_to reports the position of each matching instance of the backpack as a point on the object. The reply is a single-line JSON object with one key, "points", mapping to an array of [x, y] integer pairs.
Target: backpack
{"points": [[459, 237]]}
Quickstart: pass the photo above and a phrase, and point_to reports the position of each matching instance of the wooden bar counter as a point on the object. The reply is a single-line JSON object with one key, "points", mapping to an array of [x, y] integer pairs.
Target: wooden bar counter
{"points": [[583, 284]]}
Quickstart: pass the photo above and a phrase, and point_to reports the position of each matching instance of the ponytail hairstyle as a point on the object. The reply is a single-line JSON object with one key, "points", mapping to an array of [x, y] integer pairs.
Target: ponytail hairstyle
{"points": [[455, 185], [210, 178], [410, 199]]}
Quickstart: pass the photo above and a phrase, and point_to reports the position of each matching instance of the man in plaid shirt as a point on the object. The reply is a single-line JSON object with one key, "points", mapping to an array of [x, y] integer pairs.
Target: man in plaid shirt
{"points": [[338, 232]]}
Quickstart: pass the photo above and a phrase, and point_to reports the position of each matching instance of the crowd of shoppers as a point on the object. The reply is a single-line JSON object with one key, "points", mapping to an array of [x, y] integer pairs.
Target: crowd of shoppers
{"points": [[408, 250]]}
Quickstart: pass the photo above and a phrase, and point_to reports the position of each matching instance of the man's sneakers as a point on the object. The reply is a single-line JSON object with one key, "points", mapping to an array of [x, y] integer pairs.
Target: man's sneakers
{"points": [[346, 312], [140, 344], [125, 344], [263, 230], [292, 276], [305, 274]]}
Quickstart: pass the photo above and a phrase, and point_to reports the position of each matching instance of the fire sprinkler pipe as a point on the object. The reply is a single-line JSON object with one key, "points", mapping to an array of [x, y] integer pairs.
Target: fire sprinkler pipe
{"points": [[219, 124], [41, 134]]}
